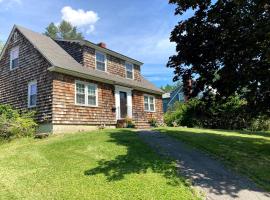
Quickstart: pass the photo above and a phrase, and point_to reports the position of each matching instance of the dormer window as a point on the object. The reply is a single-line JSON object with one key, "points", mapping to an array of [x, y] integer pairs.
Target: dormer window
{"points": [[14, 58], [100, 61], [129, 70]]}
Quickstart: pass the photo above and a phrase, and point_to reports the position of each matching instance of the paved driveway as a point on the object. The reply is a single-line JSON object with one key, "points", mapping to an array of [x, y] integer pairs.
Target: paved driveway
{"points": [[206, 174]]}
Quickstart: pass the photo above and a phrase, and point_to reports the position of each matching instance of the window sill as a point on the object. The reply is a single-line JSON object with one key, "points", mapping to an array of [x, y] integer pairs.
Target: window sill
{"points": [[89, 106], [149, 111]]}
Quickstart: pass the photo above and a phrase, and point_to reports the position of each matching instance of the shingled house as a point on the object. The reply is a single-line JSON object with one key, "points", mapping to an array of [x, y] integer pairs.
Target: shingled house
{"points": [[74, 85]]}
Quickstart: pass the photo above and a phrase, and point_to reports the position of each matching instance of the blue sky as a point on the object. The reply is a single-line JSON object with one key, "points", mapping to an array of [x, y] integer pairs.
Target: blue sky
{"points": [[139, 29]]}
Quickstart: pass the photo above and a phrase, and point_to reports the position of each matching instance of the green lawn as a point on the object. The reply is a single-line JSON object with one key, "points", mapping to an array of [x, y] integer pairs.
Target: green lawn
{"points": [[248, 153], [111, 164]]}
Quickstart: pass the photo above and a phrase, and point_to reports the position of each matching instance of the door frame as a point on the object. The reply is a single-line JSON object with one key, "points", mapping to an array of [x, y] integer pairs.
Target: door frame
{"points": [[119, 89]]}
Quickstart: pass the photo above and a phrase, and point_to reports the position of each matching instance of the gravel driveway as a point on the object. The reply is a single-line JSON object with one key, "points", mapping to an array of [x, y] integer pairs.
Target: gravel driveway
{"points": [[208, 175]]}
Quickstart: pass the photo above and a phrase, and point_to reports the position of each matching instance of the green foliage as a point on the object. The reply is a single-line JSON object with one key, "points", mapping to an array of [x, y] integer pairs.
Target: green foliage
{"points": [[153, 122], [1, 46], [261, 123], [64, 30], [14, 125], [169, 88], [226, 114], [224, 45]]}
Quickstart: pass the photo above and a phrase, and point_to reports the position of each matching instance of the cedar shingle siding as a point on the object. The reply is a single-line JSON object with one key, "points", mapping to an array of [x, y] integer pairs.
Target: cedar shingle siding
{"points": [[14, 83], [56, 91]]}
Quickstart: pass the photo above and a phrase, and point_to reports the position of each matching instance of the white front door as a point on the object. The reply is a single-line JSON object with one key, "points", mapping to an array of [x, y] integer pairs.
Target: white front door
{"points": [[123, 102]]}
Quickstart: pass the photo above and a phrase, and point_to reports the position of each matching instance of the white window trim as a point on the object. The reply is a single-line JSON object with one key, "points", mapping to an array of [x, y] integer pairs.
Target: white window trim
{"points": [[148, 99], [86, 93], [10, 58], [105, 55], [29, 90], [131, 71]]}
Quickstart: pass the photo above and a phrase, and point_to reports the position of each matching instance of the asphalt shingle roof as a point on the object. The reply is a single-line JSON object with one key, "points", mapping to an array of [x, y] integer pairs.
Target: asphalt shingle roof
{"points": [[62, 62]]}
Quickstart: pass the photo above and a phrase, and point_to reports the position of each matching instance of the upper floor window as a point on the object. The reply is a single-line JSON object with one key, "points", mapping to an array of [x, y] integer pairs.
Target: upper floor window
{"points": [[100, 61], [86, 94], [129, 70], [149, 103], [14, 58], [32, 94]]}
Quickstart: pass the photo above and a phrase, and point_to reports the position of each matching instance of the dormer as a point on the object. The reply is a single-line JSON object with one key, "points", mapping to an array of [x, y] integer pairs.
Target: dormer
{"points": [[99, 57]]}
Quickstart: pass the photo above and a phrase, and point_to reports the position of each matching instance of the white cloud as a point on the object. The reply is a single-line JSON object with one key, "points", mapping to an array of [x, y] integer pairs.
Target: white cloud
{"points": [[7, 4], [84, 20]]}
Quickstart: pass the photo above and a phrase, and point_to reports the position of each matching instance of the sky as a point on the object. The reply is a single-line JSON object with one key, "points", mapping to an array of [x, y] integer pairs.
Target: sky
{"points": [[139, 29]]}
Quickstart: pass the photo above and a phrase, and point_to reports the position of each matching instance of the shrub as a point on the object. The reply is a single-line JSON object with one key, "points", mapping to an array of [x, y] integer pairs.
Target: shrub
{"points": [[153, 122], [261, 123], [230, 113], [14, 125]]}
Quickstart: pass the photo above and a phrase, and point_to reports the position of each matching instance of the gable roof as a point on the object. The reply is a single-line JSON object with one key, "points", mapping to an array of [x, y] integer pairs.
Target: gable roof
{"points": [[62, 62]]}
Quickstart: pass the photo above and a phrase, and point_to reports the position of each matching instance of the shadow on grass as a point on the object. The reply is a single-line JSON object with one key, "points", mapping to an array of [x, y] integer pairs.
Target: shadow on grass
{"points": [[138, 159], [250, 156]]}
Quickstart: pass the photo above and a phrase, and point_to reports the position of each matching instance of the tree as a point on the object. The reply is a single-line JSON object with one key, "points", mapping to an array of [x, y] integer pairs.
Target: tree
{"points": [[64, 30], [224, 47], [1, 46], [169, 88]]}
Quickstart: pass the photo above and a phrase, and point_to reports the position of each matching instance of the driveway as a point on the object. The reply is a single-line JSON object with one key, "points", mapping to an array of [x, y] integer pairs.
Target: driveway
{"points": [[207, 174]]}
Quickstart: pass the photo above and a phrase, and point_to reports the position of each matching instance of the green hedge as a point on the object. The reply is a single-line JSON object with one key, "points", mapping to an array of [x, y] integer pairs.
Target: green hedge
{"points": [[226, 114], [14, 124]]}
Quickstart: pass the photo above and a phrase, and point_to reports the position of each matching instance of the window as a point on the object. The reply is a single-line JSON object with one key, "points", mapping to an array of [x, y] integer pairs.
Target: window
{"points": [[86, 94], [32, 94], [129, 70], [100, 61], [149, 103], [14, 58]]}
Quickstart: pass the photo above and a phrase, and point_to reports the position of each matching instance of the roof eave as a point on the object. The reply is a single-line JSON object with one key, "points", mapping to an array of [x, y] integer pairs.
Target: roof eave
{"points": [[95, 78]]}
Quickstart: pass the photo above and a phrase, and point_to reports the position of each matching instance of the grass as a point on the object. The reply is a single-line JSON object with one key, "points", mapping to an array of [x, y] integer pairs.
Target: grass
{"points": [[246, 152], [108, 164]]}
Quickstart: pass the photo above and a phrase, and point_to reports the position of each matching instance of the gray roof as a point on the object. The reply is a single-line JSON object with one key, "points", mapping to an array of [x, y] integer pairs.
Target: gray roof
{"points": [[62, 62]]}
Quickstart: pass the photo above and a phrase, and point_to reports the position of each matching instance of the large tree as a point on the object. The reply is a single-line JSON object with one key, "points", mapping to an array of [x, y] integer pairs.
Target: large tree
{"points": [[64, 30], [224, 47]]}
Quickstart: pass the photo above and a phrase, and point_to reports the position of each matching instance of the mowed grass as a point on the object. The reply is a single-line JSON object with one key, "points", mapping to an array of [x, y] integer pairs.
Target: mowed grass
{"points": [[246, 152], [108, 164]]}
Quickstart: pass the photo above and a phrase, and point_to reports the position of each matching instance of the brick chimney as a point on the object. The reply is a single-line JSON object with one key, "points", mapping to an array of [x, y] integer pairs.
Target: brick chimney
{"points": [[102, 44]]}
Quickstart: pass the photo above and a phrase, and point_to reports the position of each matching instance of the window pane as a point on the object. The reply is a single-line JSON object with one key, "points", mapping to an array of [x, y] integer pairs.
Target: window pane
{"points": [[92, 100], [129, 75], [14, 63], [33, 89], [146, 106], [33, 100], [151, 100], [152, 108], [100, 57], [80, 88], [80, 98], [145, 99], [92, 90], [100, 66], [129, 67]]}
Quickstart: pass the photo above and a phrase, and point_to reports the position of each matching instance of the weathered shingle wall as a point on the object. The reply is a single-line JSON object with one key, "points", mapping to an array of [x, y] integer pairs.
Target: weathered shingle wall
{"points": [[66, 112], [14, 83]]}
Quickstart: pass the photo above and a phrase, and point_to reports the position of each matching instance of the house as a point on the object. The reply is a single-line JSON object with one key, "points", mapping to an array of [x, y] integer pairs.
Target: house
{"points": [[169, 98], [74, 85]]}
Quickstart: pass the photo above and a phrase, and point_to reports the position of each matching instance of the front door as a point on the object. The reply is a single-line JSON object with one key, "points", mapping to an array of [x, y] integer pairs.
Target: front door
{"points": [[123, 104]]}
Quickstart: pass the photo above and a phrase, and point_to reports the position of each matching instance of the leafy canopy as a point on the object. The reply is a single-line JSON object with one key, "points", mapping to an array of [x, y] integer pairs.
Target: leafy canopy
{"points": [[64, 30], [169, 88], [224, 47], [1, 46]]}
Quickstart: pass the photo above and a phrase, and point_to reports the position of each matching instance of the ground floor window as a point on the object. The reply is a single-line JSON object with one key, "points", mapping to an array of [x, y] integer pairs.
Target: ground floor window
{"points": [[32, 94], [149, 103], [86, 94]]}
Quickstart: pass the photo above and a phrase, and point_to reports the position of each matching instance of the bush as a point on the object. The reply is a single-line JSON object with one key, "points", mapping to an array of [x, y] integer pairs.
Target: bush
{"points": [[230, 113], [153, 122], [14, 125], [261, 123]]}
